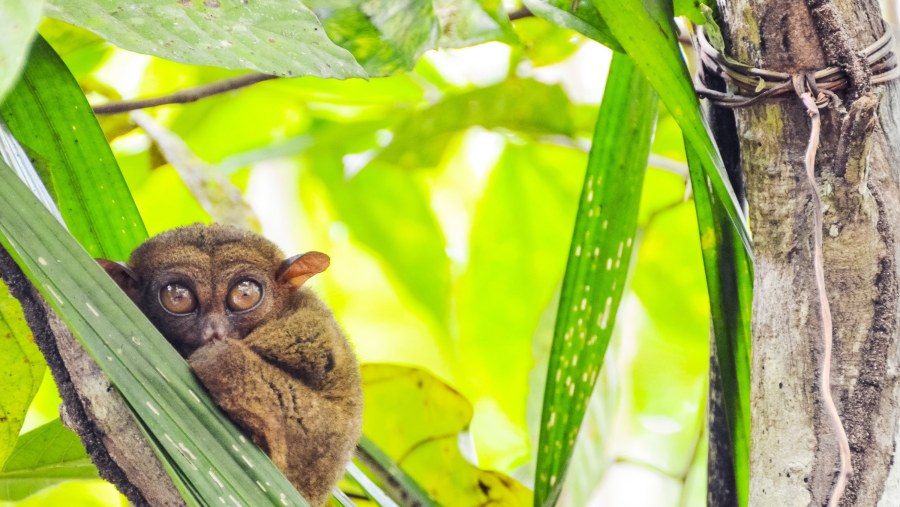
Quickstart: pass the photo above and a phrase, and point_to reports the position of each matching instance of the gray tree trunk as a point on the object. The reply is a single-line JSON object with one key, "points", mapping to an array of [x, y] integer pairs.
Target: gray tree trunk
{"points": [[91, 406], [794, 454]]}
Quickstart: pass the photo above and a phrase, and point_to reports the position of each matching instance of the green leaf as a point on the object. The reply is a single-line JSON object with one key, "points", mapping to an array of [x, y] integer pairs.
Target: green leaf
{"points": [[544, 43], [21, 370], [49, 115], [599, 257], [693, 9], [520, 229], [645, 30], [420, 140], [729, 278], [578, 15], [416, 420], [388, 211], [209, 457], [388, 472], [20, 22], [668, 357], [45, 456], [326, 38], [385, 36], [281, 37], [468, 22]]}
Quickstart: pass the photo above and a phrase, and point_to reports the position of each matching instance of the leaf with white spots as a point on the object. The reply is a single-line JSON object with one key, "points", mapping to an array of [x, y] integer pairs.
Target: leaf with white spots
{"points": [[599, 257], [281, 37], [351, 38], [644, 28]]}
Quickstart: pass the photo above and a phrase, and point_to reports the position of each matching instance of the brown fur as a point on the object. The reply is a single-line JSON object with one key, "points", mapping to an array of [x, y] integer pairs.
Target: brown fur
{"points": [[283, 371]]}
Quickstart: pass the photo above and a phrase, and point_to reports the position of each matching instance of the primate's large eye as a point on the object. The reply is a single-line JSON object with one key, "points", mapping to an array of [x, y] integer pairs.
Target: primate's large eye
{"points": [[177, 299], [244, 295]]}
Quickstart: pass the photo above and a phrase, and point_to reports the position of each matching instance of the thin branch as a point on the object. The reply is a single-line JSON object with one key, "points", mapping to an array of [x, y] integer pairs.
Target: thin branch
{"points": [[396, 483], [184, 96], [521, 12]]}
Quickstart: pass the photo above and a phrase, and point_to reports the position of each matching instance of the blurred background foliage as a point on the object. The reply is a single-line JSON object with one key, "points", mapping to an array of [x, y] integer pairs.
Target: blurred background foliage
{"points": [[446, 198]]}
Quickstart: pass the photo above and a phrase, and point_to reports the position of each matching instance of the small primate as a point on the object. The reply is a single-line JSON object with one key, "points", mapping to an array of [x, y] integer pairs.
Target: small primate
{"points": [[268, 351]]}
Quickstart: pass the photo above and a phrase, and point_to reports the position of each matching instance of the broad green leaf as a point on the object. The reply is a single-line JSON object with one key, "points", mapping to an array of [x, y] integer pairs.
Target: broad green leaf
{"points": [[385, 36], [469, 22], [645, 30], [45, 456], [416, 420], [208, 456], [420, 140], [520, 229], [599, 257], [729, 278], [389, 212], [578, 15], [19, 20], [280, 37], [21, 370], [347, 38], [48, 114]]}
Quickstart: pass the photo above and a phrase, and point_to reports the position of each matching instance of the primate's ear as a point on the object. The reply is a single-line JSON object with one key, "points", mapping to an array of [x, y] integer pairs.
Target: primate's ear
{"points": [[300, 268], [122, 275]]}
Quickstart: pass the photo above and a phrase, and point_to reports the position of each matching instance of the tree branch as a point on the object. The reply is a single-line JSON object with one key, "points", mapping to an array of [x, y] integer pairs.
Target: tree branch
{"points": [[521, 12], [91, 406], [184, 96]]}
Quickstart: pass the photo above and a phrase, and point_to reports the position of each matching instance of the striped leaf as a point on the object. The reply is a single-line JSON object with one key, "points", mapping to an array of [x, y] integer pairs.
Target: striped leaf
{"points": [[50, 117], [209, 457], [598, 264]]}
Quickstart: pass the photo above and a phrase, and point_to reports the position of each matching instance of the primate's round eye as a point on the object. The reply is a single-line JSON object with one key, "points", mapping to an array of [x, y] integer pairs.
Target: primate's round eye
{"points": [[244, 295], [177, 299]]}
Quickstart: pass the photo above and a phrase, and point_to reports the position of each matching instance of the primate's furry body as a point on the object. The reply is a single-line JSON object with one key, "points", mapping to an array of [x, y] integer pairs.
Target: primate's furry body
{"points": [[282, 369]]}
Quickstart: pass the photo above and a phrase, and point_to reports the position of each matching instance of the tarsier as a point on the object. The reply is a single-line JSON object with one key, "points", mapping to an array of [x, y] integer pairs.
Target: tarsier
{"points": [[268, 351]]}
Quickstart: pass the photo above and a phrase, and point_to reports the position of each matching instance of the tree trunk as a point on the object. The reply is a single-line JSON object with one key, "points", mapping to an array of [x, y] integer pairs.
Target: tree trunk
{"points": [[91, 406], [794, 453]]}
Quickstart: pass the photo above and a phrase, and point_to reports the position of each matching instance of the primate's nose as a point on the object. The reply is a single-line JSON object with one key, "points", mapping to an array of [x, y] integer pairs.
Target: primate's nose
{"points": [[214, 329]]}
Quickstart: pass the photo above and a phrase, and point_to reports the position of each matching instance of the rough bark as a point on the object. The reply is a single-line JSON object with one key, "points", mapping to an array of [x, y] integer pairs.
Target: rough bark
{"points": [[91, 406], [794, 455]]}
